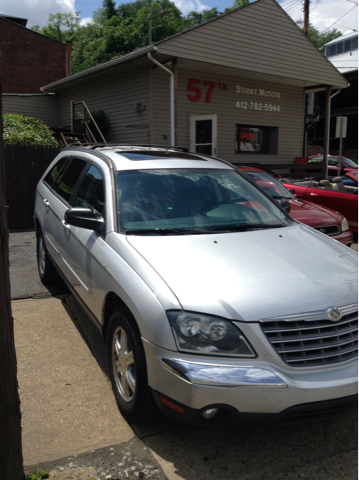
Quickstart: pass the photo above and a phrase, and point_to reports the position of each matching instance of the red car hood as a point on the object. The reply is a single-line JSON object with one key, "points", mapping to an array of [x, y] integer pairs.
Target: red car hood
{"points": [[313, 215]]}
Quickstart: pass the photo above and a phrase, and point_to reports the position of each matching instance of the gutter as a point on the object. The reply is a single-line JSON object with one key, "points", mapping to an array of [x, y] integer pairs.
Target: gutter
{"points": [[172, 95], [100, 68]]}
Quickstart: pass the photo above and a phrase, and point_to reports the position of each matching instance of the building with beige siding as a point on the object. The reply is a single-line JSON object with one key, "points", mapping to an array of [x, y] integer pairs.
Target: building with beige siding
{"points": [[233, 87]]}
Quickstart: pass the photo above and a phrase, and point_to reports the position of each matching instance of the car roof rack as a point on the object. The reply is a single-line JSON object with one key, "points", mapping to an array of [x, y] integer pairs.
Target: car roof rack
{"points": [[93, 146]]}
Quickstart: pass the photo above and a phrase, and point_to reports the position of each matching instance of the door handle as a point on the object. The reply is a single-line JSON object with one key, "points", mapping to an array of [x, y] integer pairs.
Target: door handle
{"points": [[67, 226], [46, 202], [314, 194]]}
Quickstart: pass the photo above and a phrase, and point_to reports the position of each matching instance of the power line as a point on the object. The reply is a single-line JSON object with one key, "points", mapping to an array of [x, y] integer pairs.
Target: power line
{"points": [[326, 20], [295, 4], [284, 5], [339, 19]]}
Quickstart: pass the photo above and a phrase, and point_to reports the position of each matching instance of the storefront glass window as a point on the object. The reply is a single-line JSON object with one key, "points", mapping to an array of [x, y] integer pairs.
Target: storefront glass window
{"points": [[252, 139]]}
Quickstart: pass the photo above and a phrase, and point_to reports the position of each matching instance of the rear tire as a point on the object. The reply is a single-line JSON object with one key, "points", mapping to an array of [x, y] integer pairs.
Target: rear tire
{"points": [[47, 271], [127, 365]]}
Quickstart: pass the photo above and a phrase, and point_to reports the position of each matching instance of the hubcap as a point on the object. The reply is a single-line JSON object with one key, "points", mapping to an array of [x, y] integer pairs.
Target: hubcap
{"points": [[123, 365], [41, 255]]}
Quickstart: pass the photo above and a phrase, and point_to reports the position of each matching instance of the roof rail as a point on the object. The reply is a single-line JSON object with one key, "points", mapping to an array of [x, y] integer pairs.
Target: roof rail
{"points": [[93, 146]]}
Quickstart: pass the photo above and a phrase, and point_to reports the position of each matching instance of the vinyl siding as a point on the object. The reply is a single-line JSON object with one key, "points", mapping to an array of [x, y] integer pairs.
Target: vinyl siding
{"points": [[260, 37], [161, 118], [43, 107], [289, 120], [116, 94]]}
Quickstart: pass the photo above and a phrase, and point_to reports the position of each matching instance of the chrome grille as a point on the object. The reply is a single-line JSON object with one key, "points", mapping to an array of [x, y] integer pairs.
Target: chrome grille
{"points": [[303, 343], [329, 229]]}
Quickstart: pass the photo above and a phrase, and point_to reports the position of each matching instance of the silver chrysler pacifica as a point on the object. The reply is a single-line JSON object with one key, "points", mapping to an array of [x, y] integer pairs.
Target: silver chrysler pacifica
{"points": [[215, 305]]}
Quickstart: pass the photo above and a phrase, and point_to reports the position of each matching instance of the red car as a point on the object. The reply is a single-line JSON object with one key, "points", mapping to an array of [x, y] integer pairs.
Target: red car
{"points": [[344, 202], [321, 218], [346, 164]]}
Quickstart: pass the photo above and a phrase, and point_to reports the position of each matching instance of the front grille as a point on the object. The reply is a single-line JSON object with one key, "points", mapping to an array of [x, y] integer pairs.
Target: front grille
{"points": [[329, 229], [309, 343]]}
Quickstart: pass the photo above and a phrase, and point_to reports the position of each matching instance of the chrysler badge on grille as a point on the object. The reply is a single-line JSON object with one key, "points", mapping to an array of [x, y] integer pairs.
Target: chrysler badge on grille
{"points": [[335, 314]]}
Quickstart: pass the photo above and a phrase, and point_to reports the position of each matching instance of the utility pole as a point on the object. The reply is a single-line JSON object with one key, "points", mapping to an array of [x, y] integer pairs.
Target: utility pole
{"points": [[150, 25], [306, 18], [11, 462]]}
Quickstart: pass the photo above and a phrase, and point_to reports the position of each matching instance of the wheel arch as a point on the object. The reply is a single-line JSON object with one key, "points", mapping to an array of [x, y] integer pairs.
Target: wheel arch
{"points": [[112, 301]]}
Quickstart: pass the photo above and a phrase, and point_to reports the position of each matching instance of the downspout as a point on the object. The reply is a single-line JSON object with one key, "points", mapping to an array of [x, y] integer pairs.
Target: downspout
{"points": [[172, 96]]}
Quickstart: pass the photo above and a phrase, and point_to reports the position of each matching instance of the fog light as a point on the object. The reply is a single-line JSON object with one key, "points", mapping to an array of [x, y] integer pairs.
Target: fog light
{"points": [[209, 413]]}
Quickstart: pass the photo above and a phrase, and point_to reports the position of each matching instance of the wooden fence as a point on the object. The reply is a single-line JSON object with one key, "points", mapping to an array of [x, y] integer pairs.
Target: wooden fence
{"points": [[24, 167]]}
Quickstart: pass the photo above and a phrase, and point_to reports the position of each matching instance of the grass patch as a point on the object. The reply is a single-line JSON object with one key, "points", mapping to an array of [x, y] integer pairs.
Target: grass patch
{"points": [[37, 475]]}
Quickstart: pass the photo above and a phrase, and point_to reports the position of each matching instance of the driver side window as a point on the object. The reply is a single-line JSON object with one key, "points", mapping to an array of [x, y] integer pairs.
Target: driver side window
{"points": [[91, 193]]}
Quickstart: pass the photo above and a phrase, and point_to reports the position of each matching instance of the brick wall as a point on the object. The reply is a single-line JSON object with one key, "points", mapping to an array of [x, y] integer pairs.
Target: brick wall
{"points": [[29, 60]]}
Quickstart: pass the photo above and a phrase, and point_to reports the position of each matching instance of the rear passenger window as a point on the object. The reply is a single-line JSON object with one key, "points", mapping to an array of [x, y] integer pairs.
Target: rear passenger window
{"points": [[91, 192], [65, 183], [55, 171]]}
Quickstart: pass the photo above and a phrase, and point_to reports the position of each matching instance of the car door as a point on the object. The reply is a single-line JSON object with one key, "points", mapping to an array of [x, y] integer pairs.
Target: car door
{"points": [[56, 204], [80, 245], [47, 201], [344, 203]]}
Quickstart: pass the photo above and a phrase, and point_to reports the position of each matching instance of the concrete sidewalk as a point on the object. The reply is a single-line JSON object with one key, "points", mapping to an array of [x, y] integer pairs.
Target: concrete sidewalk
{"points": [[67, 402]]}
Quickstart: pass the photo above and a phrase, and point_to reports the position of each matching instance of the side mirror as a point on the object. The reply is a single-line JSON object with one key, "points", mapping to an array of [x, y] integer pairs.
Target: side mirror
{"points": [[85, 218], [283, 202]]}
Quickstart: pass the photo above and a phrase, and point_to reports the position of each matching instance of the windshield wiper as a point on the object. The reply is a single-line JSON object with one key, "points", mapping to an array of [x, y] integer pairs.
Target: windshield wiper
{"points": [[166, 231], [245, 227]]}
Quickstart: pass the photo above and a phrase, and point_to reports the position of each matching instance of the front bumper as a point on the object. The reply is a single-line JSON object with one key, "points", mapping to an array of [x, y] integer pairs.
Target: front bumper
{"points": [[246, 387], [345, 237]]}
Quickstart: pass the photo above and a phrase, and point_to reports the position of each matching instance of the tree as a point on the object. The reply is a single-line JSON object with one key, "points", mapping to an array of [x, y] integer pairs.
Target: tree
{"points": [[11, 462], [61, 26], [238, 3], [196, 18], [127, 31], [320, 39]]}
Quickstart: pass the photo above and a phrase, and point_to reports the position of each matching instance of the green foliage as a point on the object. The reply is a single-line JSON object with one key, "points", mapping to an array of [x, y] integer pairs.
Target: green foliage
{"points": [[196, 18], [238, 3], [108, 38], [320, 39], [20, 130], [37, 475], [61, 26]]}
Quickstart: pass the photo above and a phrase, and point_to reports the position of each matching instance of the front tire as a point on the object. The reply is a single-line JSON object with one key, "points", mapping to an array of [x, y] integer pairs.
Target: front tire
{"points": [[47, 271], [127, 365]]}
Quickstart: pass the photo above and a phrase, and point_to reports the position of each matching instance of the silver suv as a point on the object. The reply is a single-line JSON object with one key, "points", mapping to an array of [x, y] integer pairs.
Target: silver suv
{"points": [[214, 303]]}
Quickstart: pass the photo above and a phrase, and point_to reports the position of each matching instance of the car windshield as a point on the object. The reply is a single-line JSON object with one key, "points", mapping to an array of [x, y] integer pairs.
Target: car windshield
{"points": [[270, 185], [349, 162], [192, 201]]}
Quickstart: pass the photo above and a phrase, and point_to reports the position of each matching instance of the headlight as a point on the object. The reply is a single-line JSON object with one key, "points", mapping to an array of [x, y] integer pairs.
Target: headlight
{"points": [[345, 225], [207, 335]]}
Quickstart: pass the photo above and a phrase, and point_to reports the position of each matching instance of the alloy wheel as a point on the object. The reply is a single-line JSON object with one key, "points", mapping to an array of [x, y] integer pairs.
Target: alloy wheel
{"points": [[123, 364]]}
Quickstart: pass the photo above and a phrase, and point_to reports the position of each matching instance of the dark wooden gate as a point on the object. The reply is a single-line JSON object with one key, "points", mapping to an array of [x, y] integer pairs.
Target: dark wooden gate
{"points": [[24, 167]]}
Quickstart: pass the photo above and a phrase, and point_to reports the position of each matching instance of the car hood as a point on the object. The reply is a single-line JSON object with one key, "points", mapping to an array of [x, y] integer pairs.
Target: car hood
{"points": [[253, 275], [313, 215]]}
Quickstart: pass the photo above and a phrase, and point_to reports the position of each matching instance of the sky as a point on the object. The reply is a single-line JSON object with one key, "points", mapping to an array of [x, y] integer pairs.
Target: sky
{"points": [[324, 14]]}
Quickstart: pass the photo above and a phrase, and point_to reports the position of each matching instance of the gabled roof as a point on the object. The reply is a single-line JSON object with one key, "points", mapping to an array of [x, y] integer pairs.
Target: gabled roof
{"points": [[258, 39]]}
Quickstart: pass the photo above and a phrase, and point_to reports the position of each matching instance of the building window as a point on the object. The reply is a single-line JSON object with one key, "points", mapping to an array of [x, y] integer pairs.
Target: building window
{"points": [[252, 139], [344, 46]]}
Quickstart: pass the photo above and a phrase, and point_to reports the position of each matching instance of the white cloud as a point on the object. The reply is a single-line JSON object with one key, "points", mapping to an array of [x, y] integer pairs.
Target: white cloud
{"points": [[86, 21], [187, 6], [326, 14], [36, 11]]}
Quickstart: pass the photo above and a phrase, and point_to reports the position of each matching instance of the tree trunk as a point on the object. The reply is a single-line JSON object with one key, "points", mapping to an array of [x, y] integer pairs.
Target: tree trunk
{"points": [[11, 463]]}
